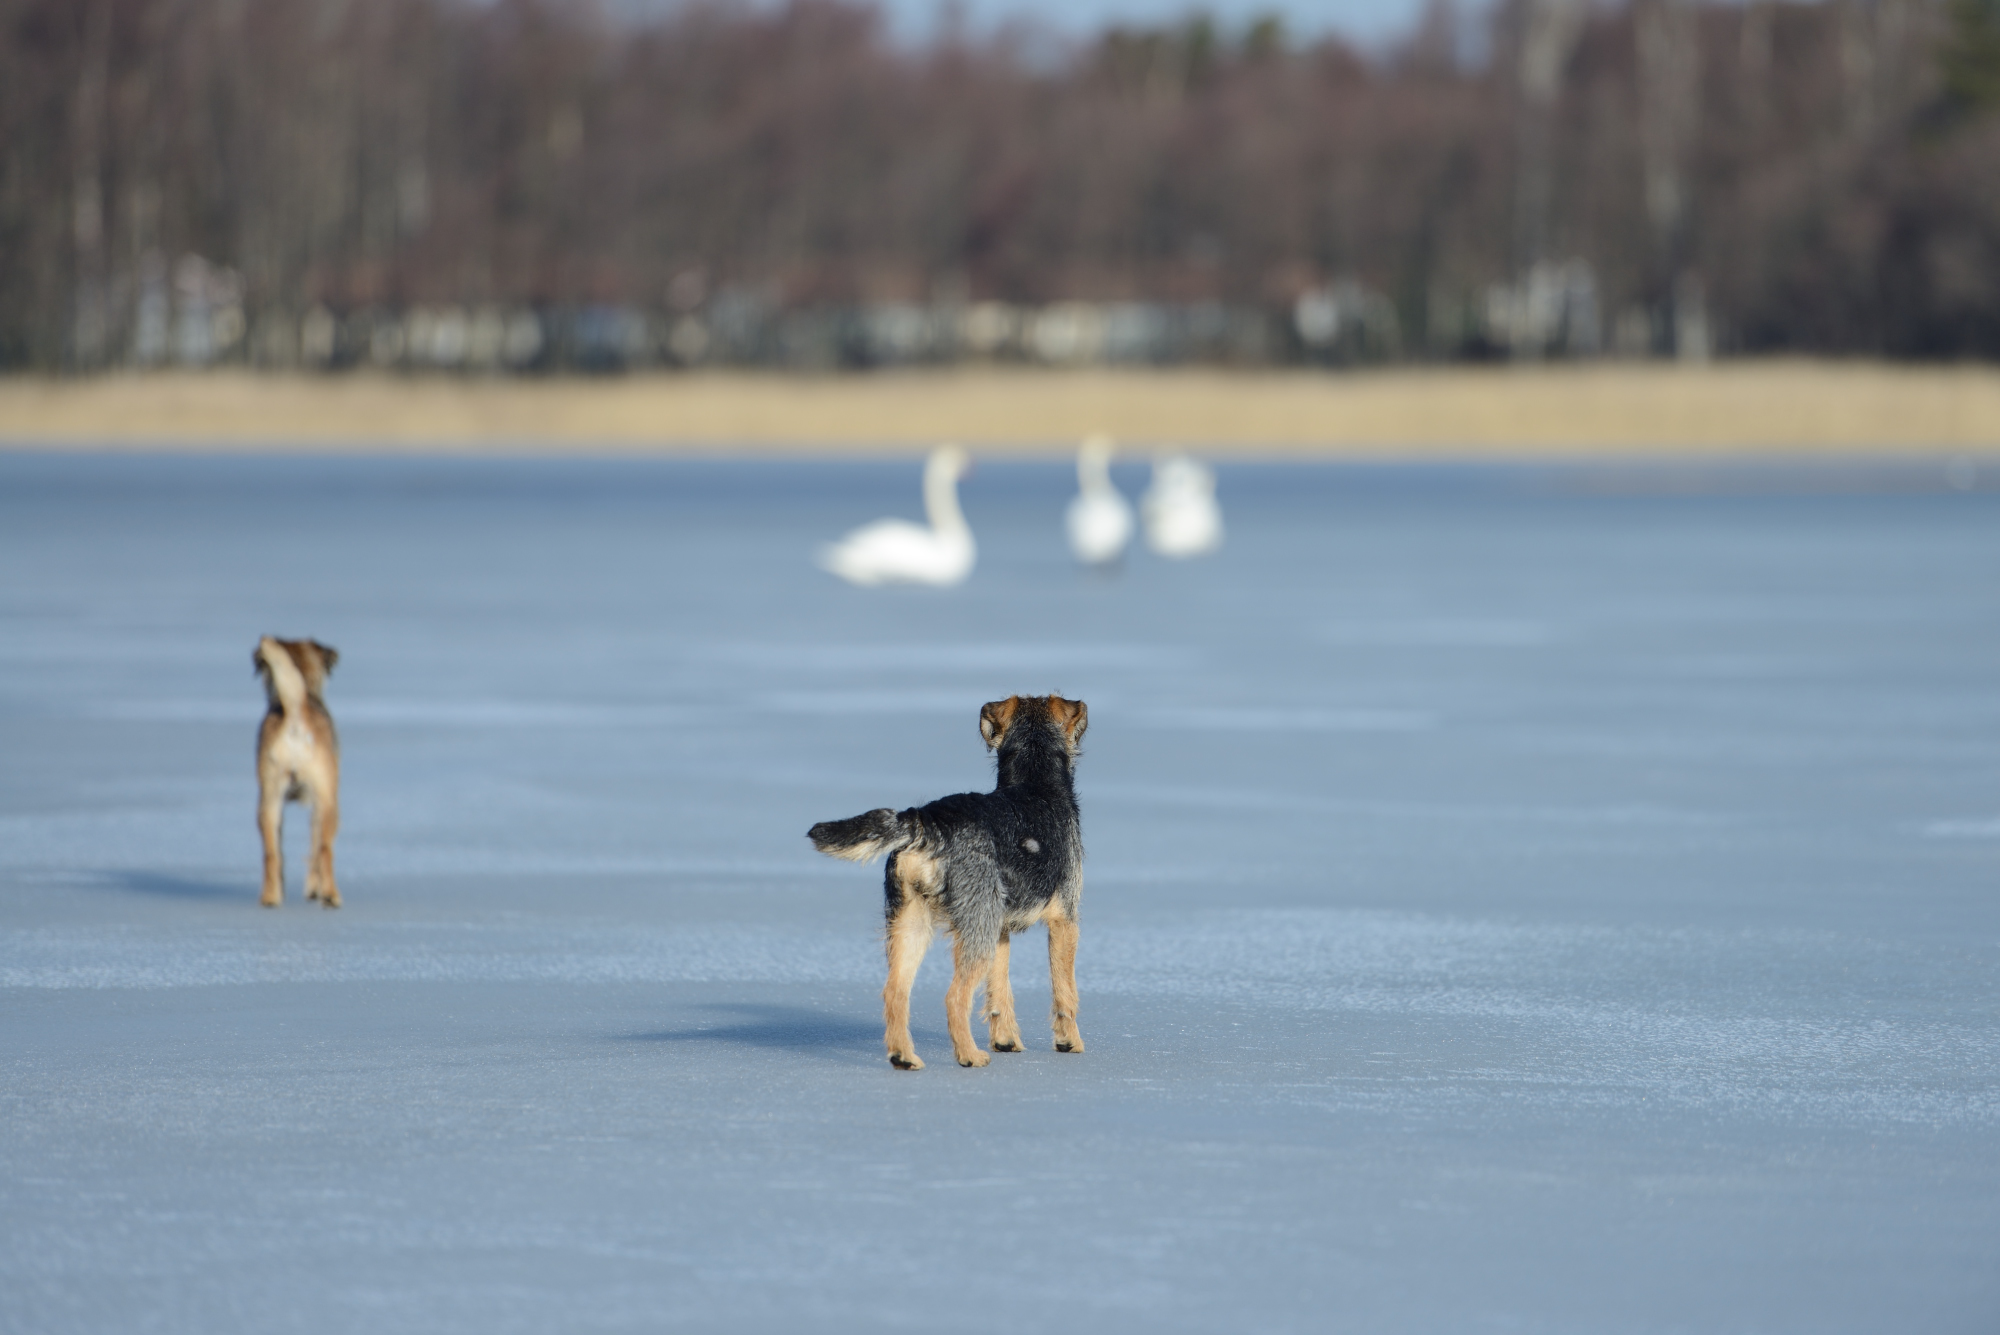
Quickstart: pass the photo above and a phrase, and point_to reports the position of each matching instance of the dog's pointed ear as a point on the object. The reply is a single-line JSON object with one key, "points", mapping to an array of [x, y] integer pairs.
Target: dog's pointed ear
{"points": [[328, 655], [1073, 716], [996, 718]]}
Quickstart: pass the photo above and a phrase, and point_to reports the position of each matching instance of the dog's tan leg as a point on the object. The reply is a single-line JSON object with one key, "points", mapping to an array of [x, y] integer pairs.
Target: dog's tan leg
{"points": [[966, 976], [909, 938], [312, 846], [319, 871], [1062, 984], [270, 823], [1001, 1026]]}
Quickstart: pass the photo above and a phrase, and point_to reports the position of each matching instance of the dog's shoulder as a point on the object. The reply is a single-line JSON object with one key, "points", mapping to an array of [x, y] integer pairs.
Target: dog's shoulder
{"points": [[294, 738], [1041, 796], [320, 719]]}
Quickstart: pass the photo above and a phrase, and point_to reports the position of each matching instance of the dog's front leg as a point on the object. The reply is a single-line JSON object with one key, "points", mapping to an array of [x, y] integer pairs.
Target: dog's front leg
{"points": [[1062, 984], [270, 823], [909, 938], [967, 973], [1001, 1026], [319, 870]]}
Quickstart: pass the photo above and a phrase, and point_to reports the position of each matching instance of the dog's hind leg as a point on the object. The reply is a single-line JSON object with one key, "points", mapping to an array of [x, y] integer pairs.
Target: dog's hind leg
{"points": [[271, 824], [1001, 1026], [1062, 983], [968, 971], [909, 938], [319, 870]]}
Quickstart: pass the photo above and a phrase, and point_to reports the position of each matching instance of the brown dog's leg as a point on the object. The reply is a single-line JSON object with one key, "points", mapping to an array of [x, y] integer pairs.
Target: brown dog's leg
{"points": [[1001, 1026], [1062, 984], [909, 938], [319, 871], [270, 823], [967, 974]]}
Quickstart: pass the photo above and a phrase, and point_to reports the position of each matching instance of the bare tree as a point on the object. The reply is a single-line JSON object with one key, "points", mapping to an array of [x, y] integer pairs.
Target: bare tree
{"points": [[295, 180]]}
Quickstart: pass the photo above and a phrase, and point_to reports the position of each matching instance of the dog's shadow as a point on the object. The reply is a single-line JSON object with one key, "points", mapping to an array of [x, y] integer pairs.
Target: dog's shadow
{"points": [[770, 1025], [175, 887]]}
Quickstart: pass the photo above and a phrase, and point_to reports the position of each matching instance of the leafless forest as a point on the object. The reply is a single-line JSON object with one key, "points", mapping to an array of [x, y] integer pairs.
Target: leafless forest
{"points": [[529, 184]]}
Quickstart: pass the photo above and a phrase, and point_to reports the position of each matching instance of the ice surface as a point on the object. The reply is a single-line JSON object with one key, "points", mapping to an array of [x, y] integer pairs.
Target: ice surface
{"points": [[1516, 903]]}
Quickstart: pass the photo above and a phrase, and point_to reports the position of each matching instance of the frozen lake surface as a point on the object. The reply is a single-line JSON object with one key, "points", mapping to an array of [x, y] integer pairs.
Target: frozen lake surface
{"points": [[1518, 901]]}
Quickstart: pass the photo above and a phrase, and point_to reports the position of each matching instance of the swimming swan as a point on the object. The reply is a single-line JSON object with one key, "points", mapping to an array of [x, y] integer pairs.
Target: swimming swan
{"points": [[1100, 518], [1182, 518], [895, 551]]}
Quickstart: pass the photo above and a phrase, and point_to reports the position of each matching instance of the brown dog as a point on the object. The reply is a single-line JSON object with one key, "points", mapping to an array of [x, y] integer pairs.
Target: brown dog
{"points": [[298, 760]]}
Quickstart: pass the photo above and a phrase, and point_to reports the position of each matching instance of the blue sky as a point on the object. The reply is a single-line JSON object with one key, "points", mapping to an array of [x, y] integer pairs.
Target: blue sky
{"points": [[1369, 22]]}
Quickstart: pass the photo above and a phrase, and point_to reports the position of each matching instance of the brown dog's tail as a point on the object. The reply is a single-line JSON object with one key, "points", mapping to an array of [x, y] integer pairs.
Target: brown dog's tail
{"points": [[865, 837]]}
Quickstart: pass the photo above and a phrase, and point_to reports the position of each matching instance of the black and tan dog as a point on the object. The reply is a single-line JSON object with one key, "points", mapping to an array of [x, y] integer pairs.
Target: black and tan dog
{"points": [[983, 866], [298, 759]]}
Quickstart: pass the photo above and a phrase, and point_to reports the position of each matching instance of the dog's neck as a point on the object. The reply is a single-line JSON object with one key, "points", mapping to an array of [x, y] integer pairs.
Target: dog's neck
{"points": [[1036, 760]]}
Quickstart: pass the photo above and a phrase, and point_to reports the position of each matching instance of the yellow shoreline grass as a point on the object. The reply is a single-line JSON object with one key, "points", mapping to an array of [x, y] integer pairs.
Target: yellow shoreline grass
{"points": [[1731, 408]]}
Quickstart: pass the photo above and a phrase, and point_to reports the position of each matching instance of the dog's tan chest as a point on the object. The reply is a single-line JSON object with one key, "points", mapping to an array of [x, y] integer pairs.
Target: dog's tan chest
{"points": [[295, 748]]}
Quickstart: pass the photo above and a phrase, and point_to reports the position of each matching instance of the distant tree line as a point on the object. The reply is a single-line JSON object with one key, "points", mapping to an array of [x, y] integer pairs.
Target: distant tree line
{"points": [[1545, 178]]}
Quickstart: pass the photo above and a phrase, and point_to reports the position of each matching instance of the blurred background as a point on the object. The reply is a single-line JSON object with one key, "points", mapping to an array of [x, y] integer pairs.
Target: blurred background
{"points": [[1542, 867], [535, 185]]}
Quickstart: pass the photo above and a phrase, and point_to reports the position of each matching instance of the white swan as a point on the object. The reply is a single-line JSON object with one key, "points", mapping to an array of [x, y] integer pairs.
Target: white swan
{"points": [[1100, 518], [1182, 518], [895, 551]]}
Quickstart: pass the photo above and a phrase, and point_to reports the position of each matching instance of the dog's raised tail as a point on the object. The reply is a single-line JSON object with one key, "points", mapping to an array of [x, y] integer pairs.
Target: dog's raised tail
{"points": [[865, 837]]}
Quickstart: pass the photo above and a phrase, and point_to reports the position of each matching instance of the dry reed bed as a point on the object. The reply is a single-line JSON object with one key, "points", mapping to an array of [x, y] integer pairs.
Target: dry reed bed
{"points": [[1768, 408]]}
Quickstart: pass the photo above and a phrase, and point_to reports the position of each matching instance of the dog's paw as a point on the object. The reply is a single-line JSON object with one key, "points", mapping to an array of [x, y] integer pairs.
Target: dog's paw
{"points": [[1006, 1045], [1070, 1044], [906, 1061], [331, 901], [973, 1058], [272, 898]]}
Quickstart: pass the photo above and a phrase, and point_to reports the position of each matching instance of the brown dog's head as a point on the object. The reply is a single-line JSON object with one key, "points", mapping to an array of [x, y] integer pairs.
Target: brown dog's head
{"points": [[1050, 715], [289, 666]]}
